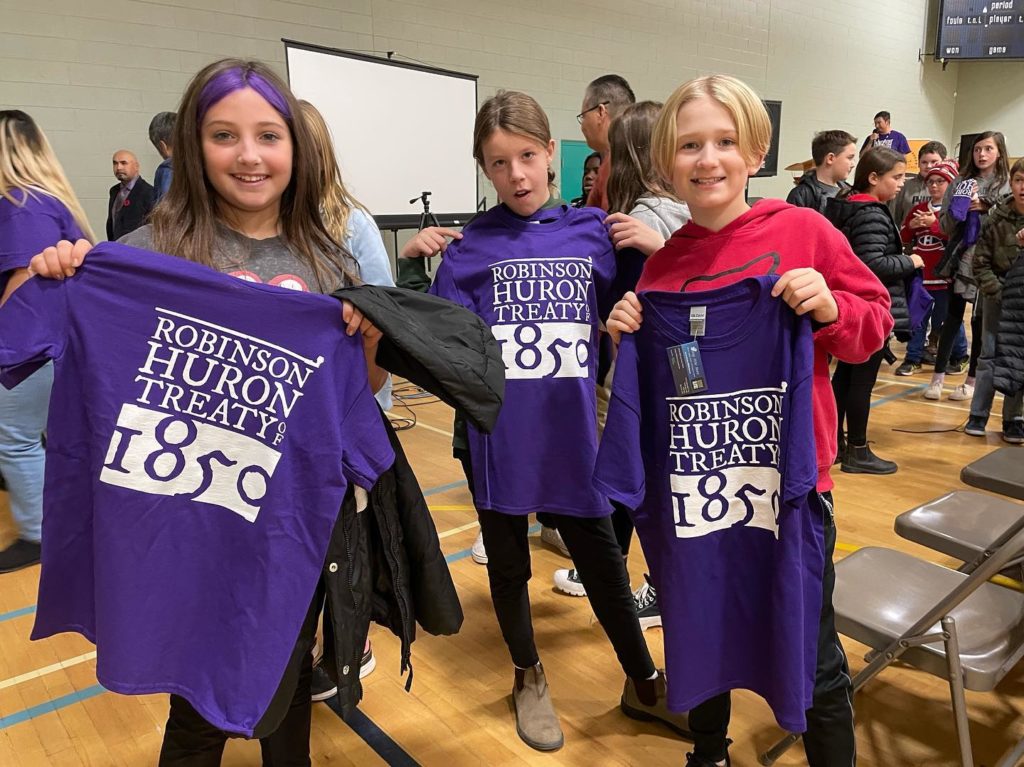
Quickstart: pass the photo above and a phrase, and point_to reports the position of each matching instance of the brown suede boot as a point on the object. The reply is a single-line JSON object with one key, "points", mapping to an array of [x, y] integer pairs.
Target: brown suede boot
{"points": [[536, 720], [644, 699]]}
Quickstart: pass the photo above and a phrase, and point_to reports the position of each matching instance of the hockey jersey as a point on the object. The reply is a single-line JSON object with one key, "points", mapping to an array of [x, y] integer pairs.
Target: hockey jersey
{"points": [[722, 484], [202, 434]]}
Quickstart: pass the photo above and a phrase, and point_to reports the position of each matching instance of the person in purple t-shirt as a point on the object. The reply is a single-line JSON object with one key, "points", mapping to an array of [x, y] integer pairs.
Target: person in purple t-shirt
{"points": [[248, 210], [541, 278], [884, 135], [38, 207]]}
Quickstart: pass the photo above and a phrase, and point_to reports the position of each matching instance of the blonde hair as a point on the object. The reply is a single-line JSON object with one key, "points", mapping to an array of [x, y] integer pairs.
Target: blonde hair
{"points": [[753, 126], [336, 202], [514, 112], [28, 164]]}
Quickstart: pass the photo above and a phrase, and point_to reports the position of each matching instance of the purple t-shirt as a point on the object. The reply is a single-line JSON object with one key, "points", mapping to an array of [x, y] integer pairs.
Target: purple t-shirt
{"points": [[542, 283], [201, 437], [34, 224], [722, 483], [894, 140]]}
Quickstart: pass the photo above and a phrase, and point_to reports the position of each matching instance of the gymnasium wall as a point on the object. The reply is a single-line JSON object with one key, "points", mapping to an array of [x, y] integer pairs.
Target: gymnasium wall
{"points": [[93, 73]]}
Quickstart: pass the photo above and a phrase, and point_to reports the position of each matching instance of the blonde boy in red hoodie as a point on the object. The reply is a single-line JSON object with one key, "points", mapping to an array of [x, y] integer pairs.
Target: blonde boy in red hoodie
{"points": [[711, 136]]}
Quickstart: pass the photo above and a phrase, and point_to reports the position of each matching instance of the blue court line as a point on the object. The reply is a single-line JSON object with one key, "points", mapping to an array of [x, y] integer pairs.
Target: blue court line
{"points": [[51, 705], [17, 613], [442, 488], [901, 395], [455, 557], [374, 736]]}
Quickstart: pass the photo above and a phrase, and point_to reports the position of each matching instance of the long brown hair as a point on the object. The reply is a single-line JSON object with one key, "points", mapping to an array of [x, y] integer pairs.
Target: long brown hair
{"points": [[632, 170], [1002, 169], [878, 160], [28, 164], [514, 112], [336, 202], [185, 221]]}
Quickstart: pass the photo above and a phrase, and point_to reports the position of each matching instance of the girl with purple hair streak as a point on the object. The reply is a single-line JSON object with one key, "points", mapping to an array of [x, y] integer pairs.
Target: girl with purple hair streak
{"points": [[244, 200]]}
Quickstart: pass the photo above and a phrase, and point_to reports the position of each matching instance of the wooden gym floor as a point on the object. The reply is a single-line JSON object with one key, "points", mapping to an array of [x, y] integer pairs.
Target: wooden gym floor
{"points": [[53, 712]]}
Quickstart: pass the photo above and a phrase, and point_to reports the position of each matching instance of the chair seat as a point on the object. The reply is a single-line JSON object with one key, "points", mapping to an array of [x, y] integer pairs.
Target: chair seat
{"points": [[1001, 471], [961, 524], [880, 593]]}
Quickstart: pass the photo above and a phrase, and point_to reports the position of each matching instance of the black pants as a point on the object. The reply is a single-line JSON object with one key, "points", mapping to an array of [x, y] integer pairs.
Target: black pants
{"points": [[829, 739], [622, 523], [955, 316], [852, 385], [602, 570], [191, 741]]}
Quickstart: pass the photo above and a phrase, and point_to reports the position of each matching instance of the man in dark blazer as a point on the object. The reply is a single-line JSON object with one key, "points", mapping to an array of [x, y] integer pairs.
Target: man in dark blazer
{"points": [[131, 199]]}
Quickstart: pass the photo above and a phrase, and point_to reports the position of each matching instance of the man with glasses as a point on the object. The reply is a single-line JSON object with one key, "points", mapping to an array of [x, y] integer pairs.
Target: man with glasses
{"points": [[604, 98]]}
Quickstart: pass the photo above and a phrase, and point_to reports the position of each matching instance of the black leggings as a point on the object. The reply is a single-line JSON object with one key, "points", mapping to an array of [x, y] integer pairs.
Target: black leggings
{"points": [[601, 567], [191, 741], [852, 385], [950, 328], [621, 522]]}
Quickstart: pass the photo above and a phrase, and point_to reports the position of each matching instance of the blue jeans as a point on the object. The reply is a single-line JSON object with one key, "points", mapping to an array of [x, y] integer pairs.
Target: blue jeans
{"points": [[22, 421], [937, 315], [984, 384]]}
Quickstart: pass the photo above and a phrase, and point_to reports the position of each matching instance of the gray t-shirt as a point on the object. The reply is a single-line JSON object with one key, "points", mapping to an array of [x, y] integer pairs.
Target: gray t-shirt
{"points": [[268, 261], [663, 214]]}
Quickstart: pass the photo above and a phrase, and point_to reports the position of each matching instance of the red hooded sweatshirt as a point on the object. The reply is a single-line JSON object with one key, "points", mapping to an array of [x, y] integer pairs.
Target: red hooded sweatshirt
{"points": [[800, 237]]}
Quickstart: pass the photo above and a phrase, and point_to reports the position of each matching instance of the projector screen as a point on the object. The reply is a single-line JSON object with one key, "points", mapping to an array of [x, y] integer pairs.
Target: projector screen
{"points": [[399, 129]]}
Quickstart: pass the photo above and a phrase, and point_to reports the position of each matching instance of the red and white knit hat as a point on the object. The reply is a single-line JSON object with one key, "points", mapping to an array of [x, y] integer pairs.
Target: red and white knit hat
{"points": [[947, 169]]}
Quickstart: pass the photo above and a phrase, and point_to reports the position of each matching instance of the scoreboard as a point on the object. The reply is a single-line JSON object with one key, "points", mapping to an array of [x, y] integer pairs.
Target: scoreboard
{"points": [[980, 29]]}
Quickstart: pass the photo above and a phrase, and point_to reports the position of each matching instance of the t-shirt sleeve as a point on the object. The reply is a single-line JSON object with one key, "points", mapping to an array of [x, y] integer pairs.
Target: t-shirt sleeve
{"points": [[367, 248], [619, 472], [27, 231], [367, 452], [33, 330], [800, 469]]}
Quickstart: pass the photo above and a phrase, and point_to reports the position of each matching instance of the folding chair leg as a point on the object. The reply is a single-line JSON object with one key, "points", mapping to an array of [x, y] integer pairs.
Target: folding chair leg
{"points": [[772, 755], [956, 691]]}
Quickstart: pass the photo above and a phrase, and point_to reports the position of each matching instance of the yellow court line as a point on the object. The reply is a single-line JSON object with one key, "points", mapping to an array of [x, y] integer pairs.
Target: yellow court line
{"points": [[428, 427], [15, 680], [456, 530], [453, 507]]}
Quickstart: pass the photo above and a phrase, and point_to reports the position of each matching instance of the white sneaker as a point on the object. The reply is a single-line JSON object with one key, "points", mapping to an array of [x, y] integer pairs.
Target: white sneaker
{"points": [[568, 582], [934, 390], [553, 538], [478, 552], [962, 392]]}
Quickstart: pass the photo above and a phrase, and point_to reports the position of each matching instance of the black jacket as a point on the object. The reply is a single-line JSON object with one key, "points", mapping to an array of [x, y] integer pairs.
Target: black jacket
{"points": [[1009, 361], [875, 239], [811, 193], [133, 214], [385, 564]]}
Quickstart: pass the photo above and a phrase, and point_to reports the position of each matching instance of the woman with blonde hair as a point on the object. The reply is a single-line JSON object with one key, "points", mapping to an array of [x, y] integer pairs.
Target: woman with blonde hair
{"points": [[37, 208]]}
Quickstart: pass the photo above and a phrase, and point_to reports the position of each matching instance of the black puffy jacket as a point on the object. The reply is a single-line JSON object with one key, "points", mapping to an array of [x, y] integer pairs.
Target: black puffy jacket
{"points": [[873, 236], [1009, 360], [385, 564]]}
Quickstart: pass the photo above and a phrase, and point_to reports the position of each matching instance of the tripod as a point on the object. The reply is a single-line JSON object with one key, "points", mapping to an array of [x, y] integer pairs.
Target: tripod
{"points": [[426, 217]]}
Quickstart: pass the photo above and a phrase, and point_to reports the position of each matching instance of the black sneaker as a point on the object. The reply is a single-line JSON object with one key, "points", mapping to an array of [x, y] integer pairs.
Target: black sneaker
{"points": [[692, 760], [976, 426], [322, 688], [956, 367], [860, 460], [368, 663], [1013, 432], [646, 600], [928, 358], [908, 368], [19, 555]]}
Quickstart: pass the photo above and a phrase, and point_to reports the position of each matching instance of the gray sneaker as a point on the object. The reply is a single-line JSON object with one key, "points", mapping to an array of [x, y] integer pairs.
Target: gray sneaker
{"points": [[536, 720]]}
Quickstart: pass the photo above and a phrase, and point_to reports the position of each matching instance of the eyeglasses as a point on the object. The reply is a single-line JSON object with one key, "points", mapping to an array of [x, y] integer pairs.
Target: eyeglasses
{"points": [[579, 117]]}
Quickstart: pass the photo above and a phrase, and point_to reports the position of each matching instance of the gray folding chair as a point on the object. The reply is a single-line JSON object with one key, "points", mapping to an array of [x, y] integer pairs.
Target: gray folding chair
{"points": [[1001, 471], [968, 632], [963, 524]]}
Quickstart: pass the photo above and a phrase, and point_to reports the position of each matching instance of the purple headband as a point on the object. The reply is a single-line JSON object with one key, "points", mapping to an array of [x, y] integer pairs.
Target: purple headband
{"points": [[231, 80]]}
